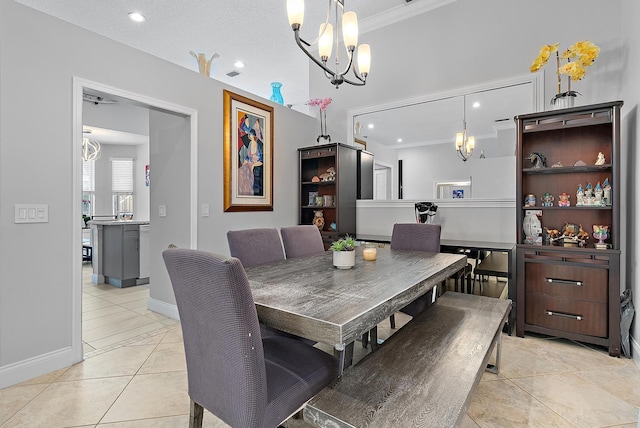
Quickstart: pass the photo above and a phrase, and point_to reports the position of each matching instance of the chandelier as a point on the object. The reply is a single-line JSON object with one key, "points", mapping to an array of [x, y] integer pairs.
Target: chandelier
{"points": [[464, 143], [327, 35], [90, 148]]}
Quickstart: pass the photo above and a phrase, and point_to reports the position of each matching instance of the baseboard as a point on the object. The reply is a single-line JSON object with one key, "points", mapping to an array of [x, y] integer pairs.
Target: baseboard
{"points": [[34, 367], [163, 308]]}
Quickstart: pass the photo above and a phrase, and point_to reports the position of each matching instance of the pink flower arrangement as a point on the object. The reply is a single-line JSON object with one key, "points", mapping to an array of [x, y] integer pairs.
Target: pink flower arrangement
{"points": [[319, 102]]}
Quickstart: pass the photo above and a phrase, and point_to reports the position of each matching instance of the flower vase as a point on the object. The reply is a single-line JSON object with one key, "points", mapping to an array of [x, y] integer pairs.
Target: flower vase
{"points": [[563, 100], [276, 95], [323, 138]]}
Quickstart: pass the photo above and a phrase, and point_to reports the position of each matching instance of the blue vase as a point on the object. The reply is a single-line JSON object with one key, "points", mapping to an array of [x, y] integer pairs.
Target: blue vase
{"points": [[276, 96]]}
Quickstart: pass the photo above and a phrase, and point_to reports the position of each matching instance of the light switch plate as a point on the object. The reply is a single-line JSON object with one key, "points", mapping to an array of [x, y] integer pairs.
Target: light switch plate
{"points": [[162, 211], [31, 213], [205, 210]]}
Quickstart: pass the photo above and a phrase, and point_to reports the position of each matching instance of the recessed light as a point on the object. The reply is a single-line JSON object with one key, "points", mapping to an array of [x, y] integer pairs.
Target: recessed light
{"points": [[370, 126], [399, 140], [476, 104], [136, 16], [238, 64]]}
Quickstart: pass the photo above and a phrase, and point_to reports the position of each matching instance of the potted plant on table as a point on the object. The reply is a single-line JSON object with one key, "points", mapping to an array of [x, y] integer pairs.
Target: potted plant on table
{"points": [[344, 254]]}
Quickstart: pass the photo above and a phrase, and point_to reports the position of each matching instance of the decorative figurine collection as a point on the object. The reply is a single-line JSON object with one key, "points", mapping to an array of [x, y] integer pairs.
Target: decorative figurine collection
{"points": [[570, 234]]}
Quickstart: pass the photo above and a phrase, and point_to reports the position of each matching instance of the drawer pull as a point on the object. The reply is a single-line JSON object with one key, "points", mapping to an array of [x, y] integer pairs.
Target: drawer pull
{"points": [[561, 314], [564, 281]]}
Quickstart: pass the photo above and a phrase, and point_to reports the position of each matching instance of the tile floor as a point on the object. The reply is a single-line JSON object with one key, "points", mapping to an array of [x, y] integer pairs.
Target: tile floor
{"points": [[137, 378]]}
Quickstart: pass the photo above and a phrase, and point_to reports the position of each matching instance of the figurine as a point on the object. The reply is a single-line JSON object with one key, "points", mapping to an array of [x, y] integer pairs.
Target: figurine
{"points": [[580, 196], [563, 200], [318, 219], [597, 196], [538, 160], [600, 160], [580, 163], [588, 195], [530, 200], [547, 200], [606, 192], [601, 233], [557, 165]]}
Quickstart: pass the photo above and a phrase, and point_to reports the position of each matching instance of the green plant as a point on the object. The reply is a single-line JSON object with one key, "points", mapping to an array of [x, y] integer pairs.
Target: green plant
{"points": [[344, 244]]}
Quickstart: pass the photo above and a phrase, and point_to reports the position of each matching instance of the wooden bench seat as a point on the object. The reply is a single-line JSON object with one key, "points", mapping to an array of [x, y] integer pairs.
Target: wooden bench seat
{"points": [[423, 375]]}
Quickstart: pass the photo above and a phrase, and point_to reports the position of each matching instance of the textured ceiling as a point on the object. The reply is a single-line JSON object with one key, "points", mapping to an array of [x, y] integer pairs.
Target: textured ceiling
{"points": [[256, 32]]}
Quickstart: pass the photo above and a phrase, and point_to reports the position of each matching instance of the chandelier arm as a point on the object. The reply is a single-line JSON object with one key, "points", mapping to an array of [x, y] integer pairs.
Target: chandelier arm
{"points": [[354, 83], [314, 59]]}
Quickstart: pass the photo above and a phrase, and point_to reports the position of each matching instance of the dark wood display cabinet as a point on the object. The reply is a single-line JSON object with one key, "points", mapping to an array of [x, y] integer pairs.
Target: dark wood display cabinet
{"points": [[561, 289], [340, 162]]}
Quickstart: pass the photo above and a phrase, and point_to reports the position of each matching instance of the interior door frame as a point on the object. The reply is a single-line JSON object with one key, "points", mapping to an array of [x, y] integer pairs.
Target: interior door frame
{"points": [[78, 87]]}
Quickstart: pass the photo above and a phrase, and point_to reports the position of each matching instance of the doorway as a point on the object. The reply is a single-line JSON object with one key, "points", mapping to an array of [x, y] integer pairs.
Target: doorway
{"points": [[188, 120], [382, 180]]}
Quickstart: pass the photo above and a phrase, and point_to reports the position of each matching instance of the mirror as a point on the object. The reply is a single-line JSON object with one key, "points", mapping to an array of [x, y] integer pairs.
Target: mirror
{"points": [[421, 132]]}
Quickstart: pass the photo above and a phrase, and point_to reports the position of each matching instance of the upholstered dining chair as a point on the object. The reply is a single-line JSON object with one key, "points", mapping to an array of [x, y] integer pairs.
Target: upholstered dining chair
{"points": [[244, 379], [411, 237], [416, 237], [301, 241], [255, 246]]}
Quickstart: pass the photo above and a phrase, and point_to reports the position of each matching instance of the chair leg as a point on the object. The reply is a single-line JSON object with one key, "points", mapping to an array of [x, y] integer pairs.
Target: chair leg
{"points": [[392, 320], [195, 415]]}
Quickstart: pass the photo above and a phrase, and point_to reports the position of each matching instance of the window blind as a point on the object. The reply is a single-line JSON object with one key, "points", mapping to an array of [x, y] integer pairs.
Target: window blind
{"points": [[122, 175], [89, 176]]}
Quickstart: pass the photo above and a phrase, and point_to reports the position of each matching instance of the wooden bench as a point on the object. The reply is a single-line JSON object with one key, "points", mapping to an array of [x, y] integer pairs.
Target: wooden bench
{"points": [[423, 375]]}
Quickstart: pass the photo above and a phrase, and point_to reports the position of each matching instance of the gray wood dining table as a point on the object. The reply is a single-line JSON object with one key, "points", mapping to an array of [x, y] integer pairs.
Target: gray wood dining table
{"points": [[309, 297]]}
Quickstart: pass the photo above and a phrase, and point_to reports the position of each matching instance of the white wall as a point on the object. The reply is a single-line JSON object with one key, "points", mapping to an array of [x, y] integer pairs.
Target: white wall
{"points": [[630, 153], [36, 72]]}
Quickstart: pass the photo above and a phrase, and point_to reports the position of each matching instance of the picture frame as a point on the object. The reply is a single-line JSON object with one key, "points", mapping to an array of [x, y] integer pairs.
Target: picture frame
{"points": [[248, 154]]}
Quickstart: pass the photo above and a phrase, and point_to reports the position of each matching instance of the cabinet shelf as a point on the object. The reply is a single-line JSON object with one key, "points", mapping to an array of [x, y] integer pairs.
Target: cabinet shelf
{"points": [[570, 208], [308, 207], [568, 169], [319, 183]]}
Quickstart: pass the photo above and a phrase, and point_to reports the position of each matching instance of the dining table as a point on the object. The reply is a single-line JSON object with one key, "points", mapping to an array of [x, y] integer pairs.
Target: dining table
{"points": [[310, 298]]}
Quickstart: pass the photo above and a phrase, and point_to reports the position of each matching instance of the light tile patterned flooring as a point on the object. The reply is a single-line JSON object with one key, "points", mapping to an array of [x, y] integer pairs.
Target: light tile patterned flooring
{"points": [[134, 375]]}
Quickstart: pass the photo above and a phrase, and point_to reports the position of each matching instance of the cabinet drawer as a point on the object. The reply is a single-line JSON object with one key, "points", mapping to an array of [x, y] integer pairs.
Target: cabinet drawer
{"points": [[567, 281], [320, 152], [575, 316]]}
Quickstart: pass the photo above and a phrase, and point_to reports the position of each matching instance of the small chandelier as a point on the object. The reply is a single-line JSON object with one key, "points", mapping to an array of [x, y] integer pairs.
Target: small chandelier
{"points": [[325, 40], [464, 144], [90, 148]]}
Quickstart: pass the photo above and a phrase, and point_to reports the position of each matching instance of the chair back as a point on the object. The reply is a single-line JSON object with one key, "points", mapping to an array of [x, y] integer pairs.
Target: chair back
{"points": [[255, 246], [416, 237], [301, 241], [224, 352]]}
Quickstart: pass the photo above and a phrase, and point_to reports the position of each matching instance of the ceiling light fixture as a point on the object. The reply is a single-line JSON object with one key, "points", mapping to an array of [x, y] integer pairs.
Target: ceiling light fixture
{"points": [[464, 144], [137, 17], [238, 64], [90, 148], [325, 40]]}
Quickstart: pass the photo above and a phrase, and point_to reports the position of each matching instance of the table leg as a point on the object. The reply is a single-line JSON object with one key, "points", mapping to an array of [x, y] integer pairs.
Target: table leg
{"points": [[344, 354]]}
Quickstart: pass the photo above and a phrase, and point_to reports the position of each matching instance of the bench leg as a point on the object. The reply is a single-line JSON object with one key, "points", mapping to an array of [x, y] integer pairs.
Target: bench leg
{"points": [[373, 338]]}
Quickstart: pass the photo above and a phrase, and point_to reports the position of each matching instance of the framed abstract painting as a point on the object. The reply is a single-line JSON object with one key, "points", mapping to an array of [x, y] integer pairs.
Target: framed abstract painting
{"points": [[248, 154]]}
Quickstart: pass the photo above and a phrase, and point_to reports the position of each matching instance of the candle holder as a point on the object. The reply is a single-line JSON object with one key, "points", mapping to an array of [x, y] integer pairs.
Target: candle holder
{"points": [[369, 252]]}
